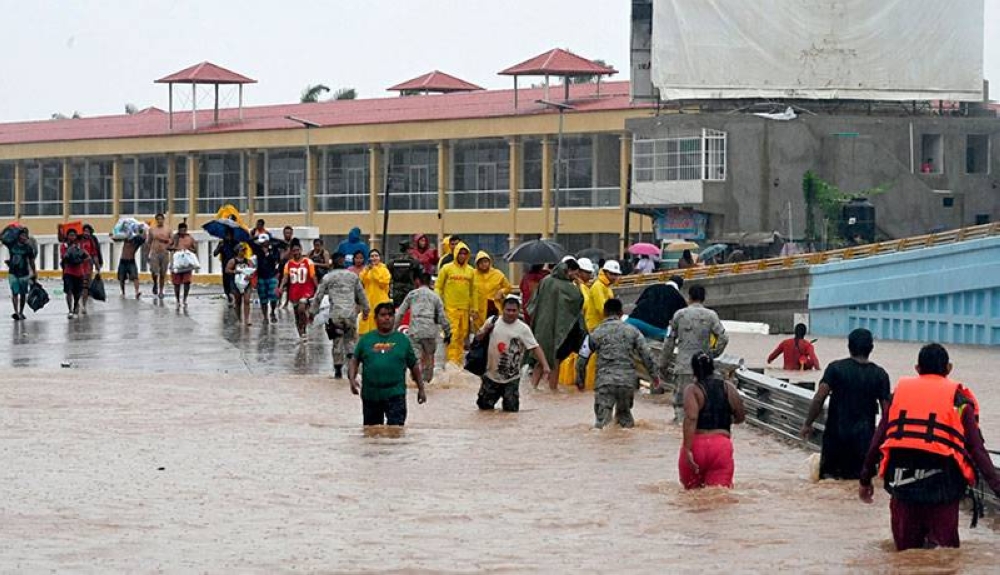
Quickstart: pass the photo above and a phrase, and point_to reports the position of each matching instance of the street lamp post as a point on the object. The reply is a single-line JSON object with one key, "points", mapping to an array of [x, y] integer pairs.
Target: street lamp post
{"points": [[307, 124], [559, 140]]}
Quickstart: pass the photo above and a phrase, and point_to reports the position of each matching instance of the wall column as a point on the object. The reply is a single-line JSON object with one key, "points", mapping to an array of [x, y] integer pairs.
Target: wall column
{"points": [[515, 169], [374, 187], [444, 182], [624, 176], [67, 186], [192, 189], [171, 183], [18, 188], [546, 186], [252, 159], [116, 188], [312, 166]]}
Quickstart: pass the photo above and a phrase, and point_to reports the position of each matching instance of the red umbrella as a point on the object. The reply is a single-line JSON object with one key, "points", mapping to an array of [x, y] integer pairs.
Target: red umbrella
{"points": [[644, 249]]}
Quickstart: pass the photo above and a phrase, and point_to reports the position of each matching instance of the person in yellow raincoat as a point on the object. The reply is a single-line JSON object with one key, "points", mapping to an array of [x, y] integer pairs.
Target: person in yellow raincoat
{"points": [[375, 278], [491, 287], [448, 251], [456, 287], [567, 368], [593, 311]]}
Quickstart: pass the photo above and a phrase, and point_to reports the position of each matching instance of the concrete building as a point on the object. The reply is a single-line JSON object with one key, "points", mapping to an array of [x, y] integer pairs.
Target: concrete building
{"points": [[480, 163]]}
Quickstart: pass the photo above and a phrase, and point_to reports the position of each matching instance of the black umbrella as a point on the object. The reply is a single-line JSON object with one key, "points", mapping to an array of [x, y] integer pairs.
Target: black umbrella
{"points": [[536, 252]]}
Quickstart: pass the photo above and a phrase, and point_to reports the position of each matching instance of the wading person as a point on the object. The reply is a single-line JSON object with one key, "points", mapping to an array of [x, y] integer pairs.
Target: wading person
{"points": [[427, 320], [20, 271], [240, 269], [376, 279], [711, 407], [299, 279], [159, 258], [656, 306], [931, 450], [615, 345], [593, 306], [556, 310], [797, 352], [510, 340], [343, 289], [457, 289], [694, 329], [268, 260], [491, 287], [384, 355], [72, 259], [858, 390]]}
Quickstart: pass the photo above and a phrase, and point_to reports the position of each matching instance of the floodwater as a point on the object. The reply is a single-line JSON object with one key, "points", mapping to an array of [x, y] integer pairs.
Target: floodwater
{"points": [[147, 455]]}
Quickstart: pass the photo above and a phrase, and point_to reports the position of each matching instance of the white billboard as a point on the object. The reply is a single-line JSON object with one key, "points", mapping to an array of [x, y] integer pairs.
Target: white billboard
{"points": [[818, 49]]}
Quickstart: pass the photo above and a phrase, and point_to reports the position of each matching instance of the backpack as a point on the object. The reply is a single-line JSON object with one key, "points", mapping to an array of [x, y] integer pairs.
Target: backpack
{"points": [[477, 357]]}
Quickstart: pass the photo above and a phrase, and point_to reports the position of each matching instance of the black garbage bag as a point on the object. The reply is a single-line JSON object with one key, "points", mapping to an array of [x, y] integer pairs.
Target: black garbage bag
{"points": [[37, 296], [97, 289]]}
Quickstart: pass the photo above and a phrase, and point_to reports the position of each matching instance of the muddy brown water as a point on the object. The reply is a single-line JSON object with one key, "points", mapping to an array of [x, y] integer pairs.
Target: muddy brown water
{"points": [[122, 470]]}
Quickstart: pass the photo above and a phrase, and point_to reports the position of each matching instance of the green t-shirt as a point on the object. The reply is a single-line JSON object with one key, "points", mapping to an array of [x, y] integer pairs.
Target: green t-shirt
{"points": [[384, 360]]}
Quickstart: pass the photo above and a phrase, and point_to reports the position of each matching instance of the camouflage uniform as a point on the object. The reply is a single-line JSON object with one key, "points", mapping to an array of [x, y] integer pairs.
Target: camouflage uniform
{"points": [[616, 344], [426, 314], [691, 332], [346, 295]]}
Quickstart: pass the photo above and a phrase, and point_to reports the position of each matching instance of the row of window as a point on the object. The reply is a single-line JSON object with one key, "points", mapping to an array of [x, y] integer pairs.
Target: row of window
{"points": [[587, 176]]}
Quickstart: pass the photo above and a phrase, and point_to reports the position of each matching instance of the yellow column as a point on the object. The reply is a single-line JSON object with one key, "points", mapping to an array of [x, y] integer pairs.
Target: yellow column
{"points": [[252, 159], [625, 172], [116, 188], [374, 189], [444, 182], [171, 183], [514, 170], [311, 182], [67, 187], [546, 185], [18, 188], [192, 189]]}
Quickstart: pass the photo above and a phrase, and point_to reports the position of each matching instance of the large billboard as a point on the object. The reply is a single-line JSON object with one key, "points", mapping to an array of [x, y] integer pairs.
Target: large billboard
{"points": [[818, 49]]}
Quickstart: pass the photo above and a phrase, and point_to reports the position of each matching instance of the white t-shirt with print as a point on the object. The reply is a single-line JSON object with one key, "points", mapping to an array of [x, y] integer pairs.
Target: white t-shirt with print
{"points": [[509, 343]]}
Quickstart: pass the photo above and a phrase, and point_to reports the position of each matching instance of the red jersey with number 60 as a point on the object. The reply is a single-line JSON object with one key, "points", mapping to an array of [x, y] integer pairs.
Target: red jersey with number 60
{"points": [[301, 279]]}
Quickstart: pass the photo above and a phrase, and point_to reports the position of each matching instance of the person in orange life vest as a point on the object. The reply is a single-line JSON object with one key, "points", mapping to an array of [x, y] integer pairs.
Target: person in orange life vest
{"points": [[299, 277], [929, 448]]}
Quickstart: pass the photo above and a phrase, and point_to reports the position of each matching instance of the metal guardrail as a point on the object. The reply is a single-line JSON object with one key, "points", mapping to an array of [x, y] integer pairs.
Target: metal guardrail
{"points": [[811, 259]]}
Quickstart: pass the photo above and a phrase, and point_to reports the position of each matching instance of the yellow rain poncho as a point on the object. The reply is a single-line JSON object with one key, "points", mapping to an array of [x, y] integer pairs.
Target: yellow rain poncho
{"points": [[567, 367], [456, 287], [491, 286], [375, 279]]}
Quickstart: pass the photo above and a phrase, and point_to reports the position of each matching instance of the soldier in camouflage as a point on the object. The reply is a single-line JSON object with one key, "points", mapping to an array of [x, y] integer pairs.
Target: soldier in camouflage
{"points": [[691, 332], [346, 295], [427, 319], [616, 344]]}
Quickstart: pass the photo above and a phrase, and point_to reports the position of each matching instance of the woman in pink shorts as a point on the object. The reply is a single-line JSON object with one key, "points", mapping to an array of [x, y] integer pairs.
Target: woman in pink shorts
{"points": [[711, 407]]}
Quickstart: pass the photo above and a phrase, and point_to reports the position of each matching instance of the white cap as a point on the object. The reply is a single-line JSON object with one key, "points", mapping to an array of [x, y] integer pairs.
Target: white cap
{"points": [[567, 259], [586, 265], [612, 267], [263, 238]]}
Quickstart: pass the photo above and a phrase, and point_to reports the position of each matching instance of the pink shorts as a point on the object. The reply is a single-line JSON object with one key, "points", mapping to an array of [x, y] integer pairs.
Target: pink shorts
{"points": [[181, 278], [713, 453]]}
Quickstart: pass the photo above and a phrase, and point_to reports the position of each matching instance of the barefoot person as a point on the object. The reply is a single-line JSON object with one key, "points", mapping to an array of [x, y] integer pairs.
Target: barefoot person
{"points": [[72, 259], [21, 271], [268, 261], [384, 355], [159, 258], [510, 342], [299, 280], [240, 269], [711, 407], [128, 270], [182, 240]]}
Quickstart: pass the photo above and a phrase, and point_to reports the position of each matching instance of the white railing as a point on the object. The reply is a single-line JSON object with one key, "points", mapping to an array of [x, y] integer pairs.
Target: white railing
{"points": [[426, 200], [478, 199], [603, 197]]}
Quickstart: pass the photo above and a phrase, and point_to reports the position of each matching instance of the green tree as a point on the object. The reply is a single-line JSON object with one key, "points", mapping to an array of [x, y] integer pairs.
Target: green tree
{"points": [[312, 93], [829, 200], [590, 78], [345, 94]]}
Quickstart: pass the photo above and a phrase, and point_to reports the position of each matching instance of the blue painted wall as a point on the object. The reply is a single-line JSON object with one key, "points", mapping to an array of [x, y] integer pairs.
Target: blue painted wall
{"points": [[948, 294]]}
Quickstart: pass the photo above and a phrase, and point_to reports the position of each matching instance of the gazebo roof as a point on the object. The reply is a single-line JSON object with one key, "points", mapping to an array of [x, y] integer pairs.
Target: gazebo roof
{"points": [[205, 73], [436, 81], [558, 62]]}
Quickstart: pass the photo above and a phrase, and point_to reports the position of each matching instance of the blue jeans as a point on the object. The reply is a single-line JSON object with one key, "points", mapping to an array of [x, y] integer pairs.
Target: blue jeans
{"points": [[647, 329]]}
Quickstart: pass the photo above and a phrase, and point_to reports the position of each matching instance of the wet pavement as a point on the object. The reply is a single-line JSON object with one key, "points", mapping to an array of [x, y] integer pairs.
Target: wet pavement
{"points": [[249, 458]]}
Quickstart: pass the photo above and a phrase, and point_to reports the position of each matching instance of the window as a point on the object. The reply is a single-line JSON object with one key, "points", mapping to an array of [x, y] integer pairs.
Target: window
{"points": [[92, 193], [180, 185], [144, 186], [285, 182], [42, 189], [345, 184], [7, 207], [588, 175], [482, 175], [530, 190], [977, 154], [221, 182], [682, 158], [413, 177], [931, 154]]}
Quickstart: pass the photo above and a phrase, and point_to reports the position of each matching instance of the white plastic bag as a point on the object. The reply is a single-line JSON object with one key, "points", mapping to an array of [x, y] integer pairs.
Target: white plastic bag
{"points": [[184, 261]]}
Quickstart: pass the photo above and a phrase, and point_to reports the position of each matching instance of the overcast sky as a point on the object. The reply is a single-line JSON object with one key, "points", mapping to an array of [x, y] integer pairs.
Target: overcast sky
{"points": [[94, 56]]}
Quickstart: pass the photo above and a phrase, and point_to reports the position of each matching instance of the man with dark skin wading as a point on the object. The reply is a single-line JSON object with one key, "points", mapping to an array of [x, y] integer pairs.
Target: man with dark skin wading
{"points": [[385, 355]]}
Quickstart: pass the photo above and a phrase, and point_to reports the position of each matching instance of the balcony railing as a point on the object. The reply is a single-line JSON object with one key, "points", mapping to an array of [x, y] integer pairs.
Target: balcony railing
{"points": [[478, 199], [606, 197], [413, 200]]}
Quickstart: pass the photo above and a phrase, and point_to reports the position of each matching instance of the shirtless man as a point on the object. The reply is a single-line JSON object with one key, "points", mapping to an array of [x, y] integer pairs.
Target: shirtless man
{"points": [[182, 241], [127, 268], [159, 259]]}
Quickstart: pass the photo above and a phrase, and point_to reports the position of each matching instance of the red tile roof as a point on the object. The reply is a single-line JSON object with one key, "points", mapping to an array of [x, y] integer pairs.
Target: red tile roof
{"points": [[558, 62], [205, 73], [437, 107], [436, 81]]}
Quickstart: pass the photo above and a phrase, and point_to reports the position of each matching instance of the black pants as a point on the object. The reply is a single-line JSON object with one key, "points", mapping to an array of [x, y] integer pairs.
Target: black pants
{"points": [[490, 391], [390, 411], [228, 284]]}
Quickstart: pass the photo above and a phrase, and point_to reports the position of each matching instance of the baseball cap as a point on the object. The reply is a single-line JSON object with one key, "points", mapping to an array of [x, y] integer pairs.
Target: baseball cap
{"points": [[567, 259], [612, 267], [586, 265], [262, 238], [512, 297]]}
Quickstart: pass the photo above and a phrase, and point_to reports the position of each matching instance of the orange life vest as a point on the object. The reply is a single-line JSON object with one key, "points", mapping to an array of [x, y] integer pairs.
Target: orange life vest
{"points": [[923, 416]]}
